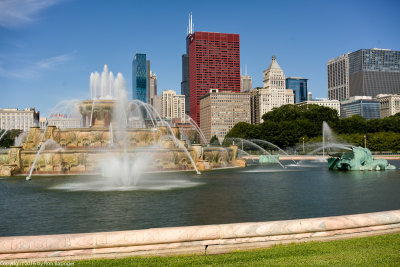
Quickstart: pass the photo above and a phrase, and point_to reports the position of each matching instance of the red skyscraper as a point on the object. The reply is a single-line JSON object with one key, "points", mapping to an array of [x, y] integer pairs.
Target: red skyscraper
{"points": [[214, 63]]}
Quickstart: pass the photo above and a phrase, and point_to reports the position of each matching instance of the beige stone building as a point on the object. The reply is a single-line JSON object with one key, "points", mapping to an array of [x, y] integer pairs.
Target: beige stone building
{"points": [[172, 105], [273, 95], [220, 111], [334, 104], [13, 118], [389, 104]]}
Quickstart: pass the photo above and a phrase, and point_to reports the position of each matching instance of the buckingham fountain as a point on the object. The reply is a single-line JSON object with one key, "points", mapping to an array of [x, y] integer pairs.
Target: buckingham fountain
{"points": [[118, 137], [126, 183]]}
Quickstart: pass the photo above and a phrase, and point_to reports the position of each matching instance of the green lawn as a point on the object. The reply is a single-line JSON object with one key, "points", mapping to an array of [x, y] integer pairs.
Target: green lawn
{"points": [[368, 251]]}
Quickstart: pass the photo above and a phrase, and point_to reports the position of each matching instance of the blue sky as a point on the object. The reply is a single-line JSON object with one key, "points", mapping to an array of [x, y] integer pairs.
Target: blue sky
{"points": [[48, 48]]}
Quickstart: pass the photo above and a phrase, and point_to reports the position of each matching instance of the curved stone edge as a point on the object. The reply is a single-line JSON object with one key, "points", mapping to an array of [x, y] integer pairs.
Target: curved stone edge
{"points": [[195, 239]]}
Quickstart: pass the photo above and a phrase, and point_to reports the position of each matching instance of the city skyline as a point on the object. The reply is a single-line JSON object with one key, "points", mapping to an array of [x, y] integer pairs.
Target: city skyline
{"points": [[49, 48]]}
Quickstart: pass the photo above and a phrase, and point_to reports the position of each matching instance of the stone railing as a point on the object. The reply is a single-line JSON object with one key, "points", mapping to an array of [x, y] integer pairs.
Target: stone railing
{"points": [[195, 239]]}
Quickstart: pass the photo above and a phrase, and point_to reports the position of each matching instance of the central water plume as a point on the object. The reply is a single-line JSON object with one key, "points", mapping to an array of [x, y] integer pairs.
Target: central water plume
{"points": [[105, 86], [126, 168]]}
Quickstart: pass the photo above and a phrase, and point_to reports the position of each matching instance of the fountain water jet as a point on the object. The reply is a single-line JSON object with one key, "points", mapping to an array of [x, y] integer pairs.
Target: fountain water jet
{"points": [[257, 146], [112, 136], [271, 144], [48, 142], [3, 134], [197, 128]]}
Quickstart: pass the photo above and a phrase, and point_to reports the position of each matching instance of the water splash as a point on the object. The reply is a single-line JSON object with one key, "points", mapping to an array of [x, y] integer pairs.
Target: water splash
{"points": [[147, 182], [20, 138], [123, 171], [185, 137]]}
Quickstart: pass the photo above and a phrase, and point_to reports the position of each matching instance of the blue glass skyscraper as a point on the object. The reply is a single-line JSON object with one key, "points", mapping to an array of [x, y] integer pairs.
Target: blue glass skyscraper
{"points": [[139, 77], [299, 87]]}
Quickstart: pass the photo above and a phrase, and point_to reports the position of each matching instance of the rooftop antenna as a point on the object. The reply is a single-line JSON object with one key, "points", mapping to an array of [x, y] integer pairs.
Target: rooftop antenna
{"points": [[245, 69], [191, 25]]}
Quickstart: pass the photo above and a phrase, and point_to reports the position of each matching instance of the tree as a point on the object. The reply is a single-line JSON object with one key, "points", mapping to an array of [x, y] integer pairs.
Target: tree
{"points": [[353, 124], [214, 141], [9, 137], [242, 130]]}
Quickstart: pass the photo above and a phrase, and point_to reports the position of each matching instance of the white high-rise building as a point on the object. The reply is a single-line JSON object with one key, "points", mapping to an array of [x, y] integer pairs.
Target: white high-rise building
{"points": [[61, 121], [274, 93], [172, 105], [333, 104], [12, 118]]}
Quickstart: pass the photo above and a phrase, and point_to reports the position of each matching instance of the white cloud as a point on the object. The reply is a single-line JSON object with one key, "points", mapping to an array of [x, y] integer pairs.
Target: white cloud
{"points": [[36, 69], [14, 13], [50, 62]]}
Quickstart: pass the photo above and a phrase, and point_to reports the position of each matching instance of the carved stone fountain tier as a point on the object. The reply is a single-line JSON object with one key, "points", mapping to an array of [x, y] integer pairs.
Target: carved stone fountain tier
{"points": [[82, 149], [102, 112]]}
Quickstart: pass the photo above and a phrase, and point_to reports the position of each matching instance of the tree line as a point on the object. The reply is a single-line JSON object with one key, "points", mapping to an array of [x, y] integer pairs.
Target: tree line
{"points": [[9, 137], [287, 125]]}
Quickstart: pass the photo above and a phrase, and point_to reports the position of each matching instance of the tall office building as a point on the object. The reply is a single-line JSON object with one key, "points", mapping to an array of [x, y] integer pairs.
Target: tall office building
{"points": [[185, 84], [13, 118], [273, 95], [338, 78], [220, 111], [172, 105], [366, 72], [299, 87], [213, 63], [139, 77], [148, 81], [245, 82], [152, 87]]}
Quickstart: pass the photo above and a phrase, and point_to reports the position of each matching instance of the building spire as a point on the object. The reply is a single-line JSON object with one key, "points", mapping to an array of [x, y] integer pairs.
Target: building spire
{"points": [[191, 25]]}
